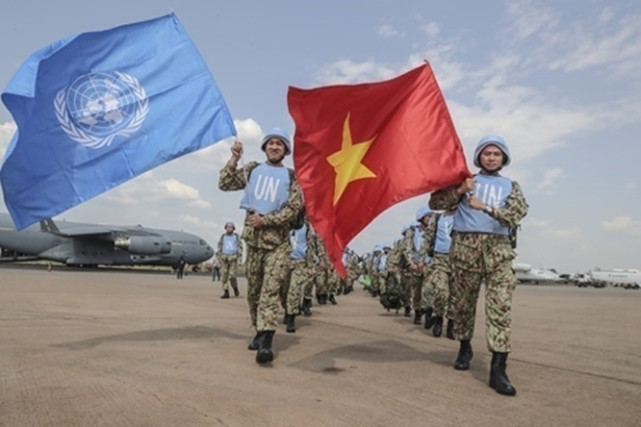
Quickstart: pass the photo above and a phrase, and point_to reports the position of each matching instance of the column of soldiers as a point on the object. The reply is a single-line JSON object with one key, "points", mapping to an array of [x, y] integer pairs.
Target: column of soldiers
{"points": [[434, 270], [471, 241]]}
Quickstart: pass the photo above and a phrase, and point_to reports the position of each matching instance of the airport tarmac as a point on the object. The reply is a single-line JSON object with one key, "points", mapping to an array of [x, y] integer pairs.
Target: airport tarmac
{"points": [[84, 348]]}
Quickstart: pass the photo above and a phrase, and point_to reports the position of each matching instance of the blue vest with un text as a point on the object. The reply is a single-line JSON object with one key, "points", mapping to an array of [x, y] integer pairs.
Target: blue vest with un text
{"points": [[268, 189], [493, 190], [418, 240], [443, 237], [230, 244], [382, 262], [299, 243]]}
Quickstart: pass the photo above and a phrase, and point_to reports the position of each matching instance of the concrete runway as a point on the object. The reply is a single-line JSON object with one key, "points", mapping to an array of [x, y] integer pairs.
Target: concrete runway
{"points": [[82, 348]]}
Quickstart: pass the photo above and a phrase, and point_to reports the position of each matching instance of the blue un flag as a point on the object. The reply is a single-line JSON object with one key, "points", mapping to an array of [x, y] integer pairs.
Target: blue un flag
{"points": [[97, 109]]}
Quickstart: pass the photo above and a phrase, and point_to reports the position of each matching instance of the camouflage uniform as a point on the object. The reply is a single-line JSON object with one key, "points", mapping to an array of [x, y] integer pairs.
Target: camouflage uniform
{"points": [[322, 267], [300, 274], [438, 281], [374, 274], [229, 263], [268, 250], [414, 276], [479, 257]]}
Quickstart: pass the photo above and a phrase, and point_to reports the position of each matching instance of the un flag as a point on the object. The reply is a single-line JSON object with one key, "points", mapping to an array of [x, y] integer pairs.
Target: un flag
{"points": [[97, 109]]}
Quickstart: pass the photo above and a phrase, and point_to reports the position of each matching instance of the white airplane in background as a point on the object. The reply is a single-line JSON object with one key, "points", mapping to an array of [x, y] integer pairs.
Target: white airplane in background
{"points": [[526, 274], [617, 277]]}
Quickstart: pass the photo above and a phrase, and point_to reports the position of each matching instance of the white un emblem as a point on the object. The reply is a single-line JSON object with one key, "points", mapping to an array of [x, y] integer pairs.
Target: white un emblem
{"points": [[97, 107]]}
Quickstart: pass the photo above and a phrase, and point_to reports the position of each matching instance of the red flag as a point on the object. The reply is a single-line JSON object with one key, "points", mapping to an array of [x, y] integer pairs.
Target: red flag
{"points": [[359, 149]]}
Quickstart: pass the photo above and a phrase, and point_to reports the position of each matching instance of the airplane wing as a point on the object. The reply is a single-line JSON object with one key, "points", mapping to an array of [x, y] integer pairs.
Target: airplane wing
{"points": [[97, 231]]}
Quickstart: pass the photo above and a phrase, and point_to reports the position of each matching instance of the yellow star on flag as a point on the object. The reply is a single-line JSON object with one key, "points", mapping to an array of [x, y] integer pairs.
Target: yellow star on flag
{"points": [[347, 162]]}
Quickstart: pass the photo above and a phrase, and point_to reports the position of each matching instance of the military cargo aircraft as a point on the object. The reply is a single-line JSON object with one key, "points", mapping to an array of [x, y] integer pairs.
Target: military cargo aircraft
{"points": [[90, 245]]}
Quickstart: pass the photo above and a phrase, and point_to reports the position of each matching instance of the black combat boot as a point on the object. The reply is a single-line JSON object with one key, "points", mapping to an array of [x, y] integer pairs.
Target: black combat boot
{"points": [[307, 307], [255, 344], [408, 311], [264, 353], [437, 330], [348, 290], [450, 329], [225, 294], [332, 299], [291, 325], [429, 320], [498, 377], [417, 316], [322, 299], [464, 357], [234, 285]]}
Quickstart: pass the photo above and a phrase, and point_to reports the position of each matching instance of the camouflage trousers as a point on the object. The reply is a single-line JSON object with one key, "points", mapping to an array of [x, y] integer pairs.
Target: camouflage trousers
{"points": [[298, 275], [427, 292], [320, 280], [414, 289], [439, 283], [333, 281], [382, 281], [266, 275], [228, 264], [477, 258], [308, 289]]}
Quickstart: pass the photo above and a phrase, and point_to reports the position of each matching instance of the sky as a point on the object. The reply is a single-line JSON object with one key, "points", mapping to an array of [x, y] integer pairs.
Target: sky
{"points": [[558, 80]]}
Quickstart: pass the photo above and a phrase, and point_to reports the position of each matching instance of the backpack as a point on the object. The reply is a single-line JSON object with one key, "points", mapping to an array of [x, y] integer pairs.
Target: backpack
{"points": [[393, 297]]}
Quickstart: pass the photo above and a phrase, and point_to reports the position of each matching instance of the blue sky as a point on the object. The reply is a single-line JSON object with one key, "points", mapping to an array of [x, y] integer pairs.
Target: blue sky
{"points": [[558, 79]]}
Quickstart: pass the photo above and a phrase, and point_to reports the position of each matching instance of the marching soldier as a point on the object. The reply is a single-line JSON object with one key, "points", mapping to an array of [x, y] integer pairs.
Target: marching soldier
{"points": [[489, 206], [273, 200], [230, 253]]}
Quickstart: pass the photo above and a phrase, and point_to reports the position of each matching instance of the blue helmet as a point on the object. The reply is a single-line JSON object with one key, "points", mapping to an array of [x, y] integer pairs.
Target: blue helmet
{"points": [[378, 248], [230, 223], [421, 212], [492, 140], [280, 134]]}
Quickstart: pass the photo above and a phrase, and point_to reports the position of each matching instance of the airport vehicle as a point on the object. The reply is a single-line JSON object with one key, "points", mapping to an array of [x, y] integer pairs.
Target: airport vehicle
{"points": [[617, 277], [526, 274], [90, 245]]}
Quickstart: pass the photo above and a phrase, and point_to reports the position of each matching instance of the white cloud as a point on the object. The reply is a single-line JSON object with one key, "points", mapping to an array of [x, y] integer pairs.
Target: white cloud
{"points": [[431, 29], [550, 178], [145, 189], [564, 233], [623, 224], [387, 31], [346, 71], [7, 130], [217, 155], [529, 18], [535, 222], [199, 222]]}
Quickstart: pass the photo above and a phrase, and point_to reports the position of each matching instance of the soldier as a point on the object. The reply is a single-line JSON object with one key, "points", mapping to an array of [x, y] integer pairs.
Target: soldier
{"points": [[230, 253], [382, 268], [416, 276], [489, 205], [272, 200], [436, 244], [301, 271], [321, 278], [424, 216]]}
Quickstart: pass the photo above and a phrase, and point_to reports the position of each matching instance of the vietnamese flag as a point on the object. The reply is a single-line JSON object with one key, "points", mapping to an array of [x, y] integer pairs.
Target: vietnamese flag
{"points": [[359, 149]]}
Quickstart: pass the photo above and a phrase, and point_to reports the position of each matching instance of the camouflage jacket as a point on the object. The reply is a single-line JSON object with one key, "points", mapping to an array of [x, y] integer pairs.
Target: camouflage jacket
{"points": [[510, 215], [275, 232], [239, 250]]}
